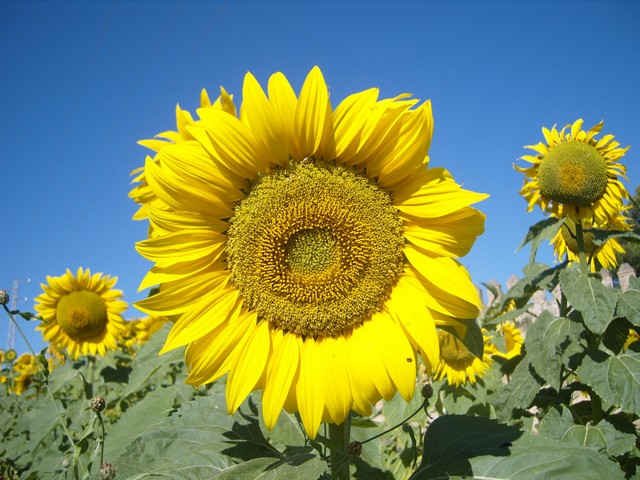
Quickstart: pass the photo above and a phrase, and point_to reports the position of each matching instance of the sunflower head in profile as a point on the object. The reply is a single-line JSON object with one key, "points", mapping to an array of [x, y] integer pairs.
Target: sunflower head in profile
{"points": [[458, 365], [511, 338], [307, 251], [606, 255], [574, 174], [81, 313]]}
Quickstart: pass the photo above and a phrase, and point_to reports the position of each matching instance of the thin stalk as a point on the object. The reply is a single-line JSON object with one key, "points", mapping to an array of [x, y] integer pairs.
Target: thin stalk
{"points": [[339, 458], [62, 418], [581, 251], [395, 426], [101, 438]]}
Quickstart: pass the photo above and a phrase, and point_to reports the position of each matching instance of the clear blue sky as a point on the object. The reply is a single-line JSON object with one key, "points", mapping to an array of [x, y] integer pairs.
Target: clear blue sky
{"points": [[82, 83]]}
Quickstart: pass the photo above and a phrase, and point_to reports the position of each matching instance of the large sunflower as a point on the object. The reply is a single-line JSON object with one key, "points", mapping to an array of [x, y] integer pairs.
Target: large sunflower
{"points": [[603, 256], [576, 175], [308, 251], [81, 313]]}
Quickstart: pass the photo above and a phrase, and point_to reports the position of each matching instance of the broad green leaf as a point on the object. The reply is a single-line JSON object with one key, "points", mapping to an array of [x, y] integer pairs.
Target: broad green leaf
{"points": [[602, 437], [593, 300], [629, 305], [519, 393], [533, 457], [542, 231], [616, 379], [452, 439], [138, 419], [538, 276], [550, 342]]}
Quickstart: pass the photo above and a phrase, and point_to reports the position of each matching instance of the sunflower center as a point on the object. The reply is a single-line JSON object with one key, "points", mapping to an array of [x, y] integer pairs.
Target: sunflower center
{"points": [[311, 251], [315, 248], [573, 173], [82, 314], [452, 350]]}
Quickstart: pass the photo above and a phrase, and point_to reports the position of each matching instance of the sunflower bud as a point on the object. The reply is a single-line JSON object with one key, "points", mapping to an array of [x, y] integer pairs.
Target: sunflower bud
{"points": [[4, 297], [354, 448], [98, 404], [427, 391], [107, 471]]}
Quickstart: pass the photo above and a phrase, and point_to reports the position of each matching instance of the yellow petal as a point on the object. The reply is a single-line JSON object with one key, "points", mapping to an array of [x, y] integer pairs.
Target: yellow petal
{"points": [[284, 102], [210, 357], [310, 389], [220, 306], [452, 235], [258, 114], [283, 368], [408, 305], [312, 123], [447, 275], [338, 394], [248, 367]]}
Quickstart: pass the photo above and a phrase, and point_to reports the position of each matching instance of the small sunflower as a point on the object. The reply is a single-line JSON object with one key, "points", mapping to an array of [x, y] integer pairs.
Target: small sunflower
{"points": [[139, 331], [26, 367], [576, 175], [603, 256], [457, 363], [307, 251], [81, 313], [513, 341]]}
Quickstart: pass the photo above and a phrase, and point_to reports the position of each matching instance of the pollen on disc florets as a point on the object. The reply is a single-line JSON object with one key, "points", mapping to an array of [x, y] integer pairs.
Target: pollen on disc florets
{"points": [[573, 173], [315, 248], [82, 315]]}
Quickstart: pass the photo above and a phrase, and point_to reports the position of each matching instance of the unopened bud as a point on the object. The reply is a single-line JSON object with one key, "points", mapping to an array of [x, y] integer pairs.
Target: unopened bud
{"points": [[107, 471], [98, 404], [354, 448], [4, 297], [427, 390]]}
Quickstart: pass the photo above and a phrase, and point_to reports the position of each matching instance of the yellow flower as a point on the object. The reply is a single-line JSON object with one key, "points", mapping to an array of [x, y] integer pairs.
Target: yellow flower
{"points": [[457, 364], [2, 356], [632, 338], [26, 366], [513, 341], [81, 313], [10, 355], [308, 251], [605, 256], [139, 331], [576, 175]]}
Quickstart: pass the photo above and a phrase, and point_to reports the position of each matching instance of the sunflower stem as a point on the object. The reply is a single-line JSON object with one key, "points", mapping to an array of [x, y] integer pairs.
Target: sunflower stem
{"points": [[581, 250], [338, 442]]}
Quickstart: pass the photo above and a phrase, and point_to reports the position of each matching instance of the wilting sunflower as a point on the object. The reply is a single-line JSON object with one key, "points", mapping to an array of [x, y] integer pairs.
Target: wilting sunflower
{"points": [[603, 256], [513, 341], [576, 175], [457, 363], [81, 313], [308, 251]]}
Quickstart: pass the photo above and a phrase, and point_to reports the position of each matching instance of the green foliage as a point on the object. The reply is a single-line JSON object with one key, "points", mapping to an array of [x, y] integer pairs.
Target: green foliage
{"points": [[568, 407]]}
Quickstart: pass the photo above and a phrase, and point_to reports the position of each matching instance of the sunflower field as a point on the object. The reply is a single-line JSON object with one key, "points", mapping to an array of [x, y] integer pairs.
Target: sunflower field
{"points": [[309, 316]]}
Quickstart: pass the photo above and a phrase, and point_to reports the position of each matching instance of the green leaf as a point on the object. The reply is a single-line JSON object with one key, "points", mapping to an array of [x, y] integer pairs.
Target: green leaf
{"points": [[601, 236], [138, 419], [534, 457], [616, 379], [452, 439], [538, 276], [539, 232], [550, 341], [473, 338], [602, 437], [628, 305], [593, 300], [519, 393]]}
